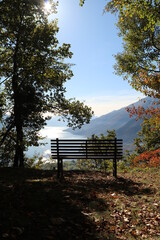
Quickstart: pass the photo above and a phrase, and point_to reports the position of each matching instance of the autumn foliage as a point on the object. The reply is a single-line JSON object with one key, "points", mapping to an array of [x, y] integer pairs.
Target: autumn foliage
{"points": [[151, 112], [148, 158]]}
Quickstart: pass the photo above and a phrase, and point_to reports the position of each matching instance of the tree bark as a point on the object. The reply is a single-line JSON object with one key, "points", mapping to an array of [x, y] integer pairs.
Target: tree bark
{"points": [[19, 151], [19, 148]]}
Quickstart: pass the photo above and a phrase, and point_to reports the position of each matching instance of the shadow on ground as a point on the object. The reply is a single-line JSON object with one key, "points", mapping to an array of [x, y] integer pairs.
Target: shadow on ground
{"points": [[34, 205]]}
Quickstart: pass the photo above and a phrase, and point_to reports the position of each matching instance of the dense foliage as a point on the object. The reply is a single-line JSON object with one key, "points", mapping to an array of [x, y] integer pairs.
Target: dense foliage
{"points": [[138, 24], [147, 145]]}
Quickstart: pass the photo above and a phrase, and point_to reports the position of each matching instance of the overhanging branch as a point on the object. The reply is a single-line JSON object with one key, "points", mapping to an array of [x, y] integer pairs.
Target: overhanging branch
{"points": [[149, 70]]}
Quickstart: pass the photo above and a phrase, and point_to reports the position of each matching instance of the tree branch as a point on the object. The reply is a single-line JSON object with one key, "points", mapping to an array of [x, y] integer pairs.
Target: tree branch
{"points": [[6, 133], [5, 79], [154, 43], [149, 70]]}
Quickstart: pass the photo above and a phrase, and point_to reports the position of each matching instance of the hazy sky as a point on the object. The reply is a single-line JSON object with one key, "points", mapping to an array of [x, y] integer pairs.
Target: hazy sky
{"points": [[94, 40]]}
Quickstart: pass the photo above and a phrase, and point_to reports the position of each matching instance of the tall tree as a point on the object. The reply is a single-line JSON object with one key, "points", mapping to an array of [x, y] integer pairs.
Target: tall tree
{"points": [[139, 62], [33, 70]]}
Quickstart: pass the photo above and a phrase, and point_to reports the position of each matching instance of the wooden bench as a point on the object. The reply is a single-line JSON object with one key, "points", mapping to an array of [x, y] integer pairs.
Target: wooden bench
{"points": [[111, 149]]}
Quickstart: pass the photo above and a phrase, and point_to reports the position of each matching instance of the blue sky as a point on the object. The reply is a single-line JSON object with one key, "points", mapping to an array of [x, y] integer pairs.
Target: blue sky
{"points": [[94, 40]]}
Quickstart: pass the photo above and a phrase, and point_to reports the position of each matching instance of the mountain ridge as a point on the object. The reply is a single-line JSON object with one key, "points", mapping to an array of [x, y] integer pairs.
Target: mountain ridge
{"points": [[125, 127]]}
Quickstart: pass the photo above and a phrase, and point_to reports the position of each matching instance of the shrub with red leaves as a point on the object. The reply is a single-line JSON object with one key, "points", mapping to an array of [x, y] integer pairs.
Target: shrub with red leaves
{"points": [[148, 158]]}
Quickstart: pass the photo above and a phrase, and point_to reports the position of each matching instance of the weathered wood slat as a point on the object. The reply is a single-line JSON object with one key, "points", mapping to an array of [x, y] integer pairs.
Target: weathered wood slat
{"points": [[84, 141], [84, 152], [88, 157], [88, 148], [88, 145], [70, 156]]}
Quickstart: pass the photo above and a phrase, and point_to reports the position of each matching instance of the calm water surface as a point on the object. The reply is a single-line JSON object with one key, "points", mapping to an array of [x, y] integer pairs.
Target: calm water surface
{"points": [[50, 133]]}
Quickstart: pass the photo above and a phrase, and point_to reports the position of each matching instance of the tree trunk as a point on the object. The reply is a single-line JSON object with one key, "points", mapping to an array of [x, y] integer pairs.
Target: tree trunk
{"points": [[19, 148], [19, 153]]}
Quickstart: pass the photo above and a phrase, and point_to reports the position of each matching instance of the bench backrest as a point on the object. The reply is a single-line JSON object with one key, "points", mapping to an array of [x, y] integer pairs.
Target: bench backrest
{"points": [[86, 149]]}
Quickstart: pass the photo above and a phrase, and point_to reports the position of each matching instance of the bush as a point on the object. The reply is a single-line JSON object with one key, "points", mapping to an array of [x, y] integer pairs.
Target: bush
{"points": [[148, 158]]}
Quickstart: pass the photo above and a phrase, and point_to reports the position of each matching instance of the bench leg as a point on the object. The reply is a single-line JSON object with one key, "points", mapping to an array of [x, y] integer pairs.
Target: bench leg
{"points": [[115, 167], [60, 168]]}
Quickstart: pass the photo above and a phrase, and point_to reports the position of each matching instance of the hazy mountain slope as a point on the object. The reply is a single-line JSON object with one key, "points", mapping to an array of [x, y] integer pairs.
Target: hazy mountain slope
{"points": [[113, 120], [129, 131], [126, 127]]}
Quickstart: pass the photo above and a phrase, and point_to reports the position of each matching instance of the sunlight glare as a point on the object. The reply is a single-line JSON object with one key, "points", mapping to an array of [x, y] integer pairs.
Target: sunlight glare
{"points": [[47, 6]]}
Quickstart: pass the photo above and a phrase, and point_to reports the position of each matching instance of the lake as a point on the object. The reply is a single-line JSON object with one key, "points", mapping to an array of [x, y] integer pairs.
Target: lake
{"points": [[50, 133]]}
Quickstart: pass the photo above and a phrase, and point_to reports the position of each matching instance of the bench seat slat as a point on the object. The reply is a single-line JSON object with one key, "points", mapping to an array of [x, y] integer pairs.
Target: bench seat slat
{"points": [[85, 153], [88, 156], [84, 140]]}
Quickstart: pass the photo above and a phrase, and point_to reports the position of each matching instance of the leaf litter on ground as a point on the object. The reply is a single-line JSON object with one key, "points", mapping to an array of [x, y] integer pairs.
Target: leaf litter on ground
{"points": [[85, 205]]}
